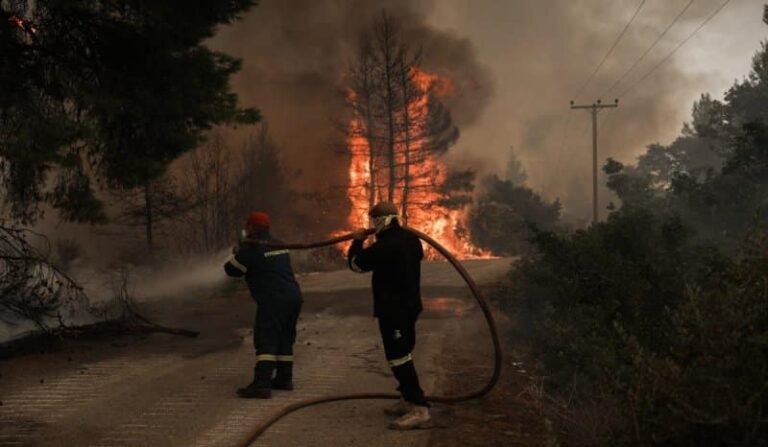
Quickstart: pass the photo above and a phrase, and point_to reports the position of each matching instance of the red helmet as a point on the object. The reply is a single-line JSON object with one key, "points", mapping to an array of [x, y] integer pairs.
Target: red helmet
{"points": [[258, 219]]}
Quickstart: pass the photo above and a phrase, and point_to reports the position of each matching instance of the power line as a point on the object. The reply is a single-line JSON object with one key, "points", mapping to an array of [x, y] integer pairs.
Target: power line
{"points": [[592, 75], [610, 50], [671, 53], [642, 57]]}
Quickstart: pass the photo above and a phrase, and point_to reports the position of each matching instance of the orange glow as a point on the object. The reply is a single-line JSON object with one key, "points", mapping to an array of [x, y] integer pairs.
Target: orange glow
{"points": [[426, 173], [22, 24], [447, 306]]}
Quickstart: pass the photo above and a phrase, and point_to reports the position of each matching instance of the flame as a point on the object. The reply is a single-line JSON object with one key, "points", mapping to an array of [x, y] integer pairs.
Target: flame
{"points": [[426, 173]]}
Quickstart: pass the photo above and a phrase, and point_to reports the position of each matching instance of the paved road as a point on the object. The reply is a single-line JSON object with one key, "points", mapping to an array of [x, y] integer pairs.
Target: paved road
{"points": [[162, 390]]}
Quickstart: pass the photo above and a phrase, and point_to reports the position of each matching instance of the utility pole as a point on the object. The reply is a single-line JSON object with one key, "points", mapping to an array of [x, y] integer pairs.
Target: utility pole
{"points": [[593, 109]]}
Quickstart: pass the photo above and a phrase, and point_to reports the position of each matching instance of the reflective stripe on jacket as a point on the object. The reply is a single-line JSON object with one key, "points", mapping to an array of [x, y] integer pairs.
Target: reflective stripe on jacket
{"points": [[267, 271]]}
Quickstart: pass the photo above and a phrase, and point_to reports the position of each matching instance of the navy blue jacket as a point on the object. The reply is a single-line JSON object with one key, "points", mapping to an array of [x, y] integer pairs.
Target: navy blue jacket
{"points": [[395, 259], [267, 271]]}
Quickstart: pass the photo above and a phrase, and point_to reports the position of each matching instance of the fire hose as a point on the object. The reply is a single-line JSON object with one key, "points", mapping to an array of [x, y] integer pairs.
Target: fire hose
{"points": [[263, 426]]}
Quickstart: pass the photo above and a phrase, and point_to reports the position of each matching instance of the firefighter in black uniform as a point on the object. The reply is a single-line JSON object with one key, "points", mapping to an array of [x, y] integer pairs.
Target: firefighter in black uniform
{"points": [[395, 259], [270, 279]]}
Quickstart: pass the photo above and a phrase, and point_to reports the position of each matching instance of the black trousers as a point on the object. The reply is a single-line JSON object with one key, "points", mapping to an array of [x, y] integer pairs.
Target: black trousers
{"points": [[399, 337], [274, 333]]}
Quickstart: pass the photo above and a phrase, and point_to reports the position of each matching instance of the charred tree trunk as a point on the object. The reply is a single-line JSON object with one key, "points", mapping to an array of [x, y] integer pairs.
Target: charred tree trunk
{"points": [[387, 43], [367, 92], [405, 86], [373, 186]]}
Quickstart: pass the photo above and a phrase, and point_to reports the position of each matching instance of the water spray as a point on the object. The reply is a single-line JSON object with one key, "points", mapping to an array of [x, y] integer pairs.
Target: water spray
{"points": [[263, 426]]}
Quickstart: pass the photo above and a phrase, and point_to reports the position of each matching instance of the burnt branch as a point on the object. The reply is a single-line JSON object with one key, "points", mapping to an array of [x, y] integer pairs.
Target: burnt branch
{"points": [[34, 289], [31, 287]]}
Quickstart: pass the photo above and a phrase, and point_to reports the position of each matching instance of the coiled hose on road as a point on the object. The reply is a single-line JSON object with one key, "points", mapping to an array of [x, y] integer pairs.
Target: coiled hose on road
{"points": [[261, 428]]}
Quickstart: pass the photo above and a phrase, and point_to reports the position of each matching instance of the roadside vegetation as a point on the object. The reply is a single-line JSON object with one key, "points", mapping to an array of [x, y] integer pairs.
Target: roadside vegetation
{"points": [[651, 328], [98, 100], [506, 212]]}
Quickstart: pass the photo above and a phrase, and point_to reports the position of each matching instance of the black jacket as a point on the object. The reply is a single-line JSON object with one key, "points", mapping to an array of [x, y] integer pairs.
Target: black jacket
{"points": [[267, 271], [395, 259]]}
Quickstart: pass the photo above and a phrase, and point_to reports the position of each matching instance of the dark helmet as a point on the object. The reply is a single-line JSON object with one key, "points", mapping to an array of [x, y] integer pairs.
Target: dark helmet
{"points": [[383, 209]]}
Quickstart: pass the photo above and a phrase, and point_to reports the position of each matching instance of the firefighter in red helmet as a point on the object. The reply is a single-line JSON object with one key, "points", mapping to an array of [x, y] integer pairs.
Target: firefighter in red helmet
{"points": [[270, 278]]}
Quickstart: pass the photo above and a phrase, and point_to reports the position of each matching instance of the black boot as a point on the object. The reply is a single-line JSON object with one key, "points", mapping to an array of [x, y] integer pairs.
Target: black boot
{"points": [[253, 382], [284, 378], [254, 392], [260, 387]]}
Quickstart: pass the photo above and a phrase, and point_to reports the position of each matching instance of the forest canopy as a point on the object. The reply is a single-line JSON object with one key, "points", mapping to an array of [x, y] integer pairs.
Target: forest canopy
{"points": [[106, 94]]}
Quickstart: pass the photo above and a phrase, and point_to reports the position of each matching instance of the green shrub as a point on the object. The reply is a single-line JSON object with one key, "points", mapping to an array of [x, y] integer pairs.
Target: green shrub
{"points": [[648, 337], [711, 387], [503, 217]]}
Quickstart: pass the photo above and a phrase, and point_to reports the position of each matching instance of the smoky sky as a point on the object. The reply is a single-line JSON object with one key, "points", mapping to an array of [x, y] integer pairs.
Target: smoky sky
{"points": [[516, 65], [541, 52]]}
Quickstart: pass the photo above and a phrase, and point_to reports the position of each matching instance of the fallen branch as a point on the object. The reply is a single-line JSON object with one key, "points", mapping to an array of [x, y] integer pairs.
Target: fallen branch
{"points": [[33, 288], [164, 329]]}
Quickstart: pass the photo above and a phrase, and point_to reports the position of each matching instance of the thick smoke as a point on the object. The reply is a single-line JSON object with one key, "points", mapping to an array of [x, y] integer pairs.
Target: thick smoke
{"points": [[536, 54], [541, 52], [533, 57], [295, 56]]}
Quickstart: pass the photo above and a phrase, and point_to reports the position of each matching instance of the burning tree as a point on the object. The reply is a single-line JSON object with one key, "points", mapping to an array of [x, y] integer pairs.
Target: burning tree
{"points": [[399, 124], [397, 133]]}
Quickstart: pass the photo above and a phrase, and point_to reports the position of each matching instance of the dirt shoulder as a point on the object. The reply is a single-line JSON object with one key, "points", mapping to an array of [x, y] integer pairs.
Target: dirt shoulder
{"points": [[505, 417]]}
